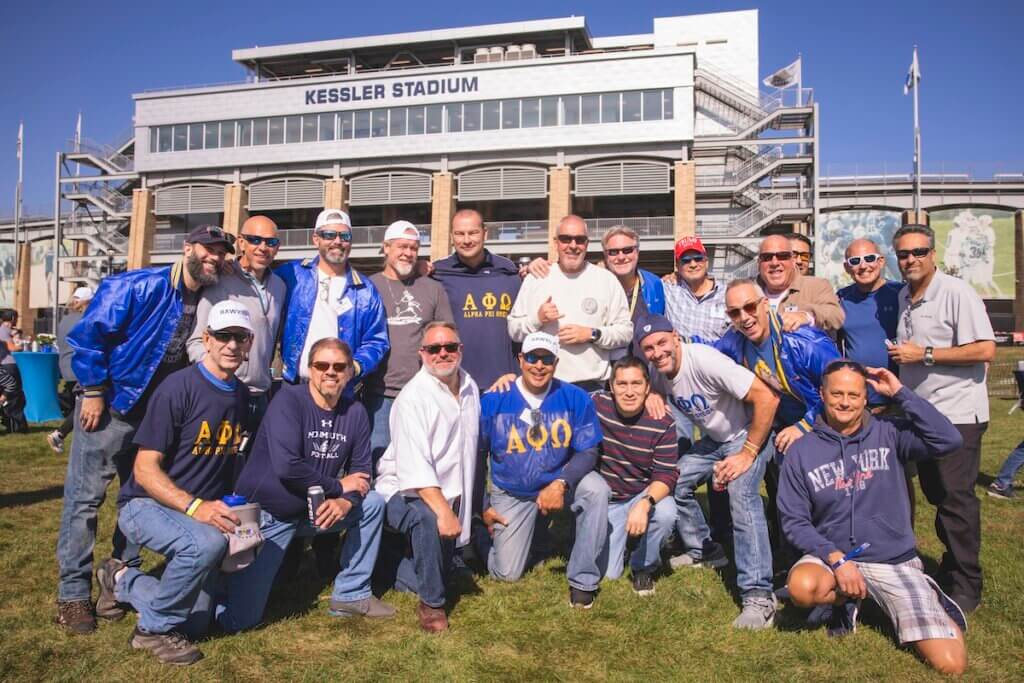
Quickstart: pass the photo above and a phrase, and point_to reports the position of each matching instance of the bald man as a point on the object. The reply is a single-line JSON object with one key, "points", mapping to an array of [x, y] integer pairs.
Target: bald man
{"points": [[797, 299], [250, 282]]}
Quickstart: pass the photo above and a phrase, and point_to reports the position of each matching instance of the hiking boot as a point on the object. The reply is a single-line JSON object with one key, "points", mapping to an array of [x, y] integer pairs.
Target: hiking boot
{"points": [[169, 648], [432, 619], [758, 613], [712, 557], [581, 599], [997, 491], [56, 441], [107, 606], [643, 583], [843, 620], [367, 607], [75, 616]]}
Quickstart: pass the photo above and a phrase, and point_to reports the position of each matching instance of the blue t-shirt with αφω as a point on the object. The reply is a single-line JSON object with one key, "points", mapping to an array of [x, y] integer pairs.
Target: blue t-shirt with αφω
{"points": [[871, 318], [197, 422]]}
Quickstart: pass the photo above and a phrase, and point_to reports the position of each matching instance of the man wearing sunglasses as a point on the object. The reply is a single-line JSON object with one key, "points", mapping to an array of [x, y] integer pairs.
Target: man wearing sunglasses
{"points": [[797, 299], [131, 337], [428, 471], [188, 443], [944, 343], [312, 436], [582, 305], [252, 284], [644, 291], [802, 250], [694, 302], [541, 438], [328, 298]]}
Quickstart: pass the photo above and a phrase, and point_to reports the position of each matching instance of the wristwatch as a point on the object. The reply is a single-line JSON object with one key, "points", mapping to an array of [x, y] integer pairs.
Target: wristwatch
{"points": [[929, 356], [595, 334], [650, 499]]}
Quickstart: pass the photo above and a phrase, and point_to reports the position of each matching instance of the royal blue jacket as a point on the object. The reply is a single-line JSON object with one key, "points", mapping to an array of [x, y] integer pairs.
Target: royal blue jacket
{"points": [[363, 325], [837, 492], [653, 290], [801, 357], [120, 340]]}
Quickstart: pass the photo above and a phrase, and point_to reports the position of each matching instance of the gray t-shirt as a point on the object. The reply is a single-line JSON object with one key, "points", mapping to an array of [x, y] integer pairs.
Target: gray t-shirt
{"points": [[410, 305], [709, 389], [950, 314], [68, 321], [5, 354]]}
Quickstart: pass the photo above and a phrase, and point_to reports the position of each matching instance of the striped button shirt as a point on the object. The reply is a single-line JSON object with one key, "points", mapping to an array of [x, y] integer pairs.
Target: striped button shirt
{"points": [[635, 450]]}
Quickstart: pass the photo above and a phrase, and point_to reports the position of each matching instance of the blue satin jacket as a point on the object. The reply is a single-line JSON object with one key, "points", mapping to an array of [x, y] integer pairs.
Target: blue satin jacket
{"points": [[653, 291]]}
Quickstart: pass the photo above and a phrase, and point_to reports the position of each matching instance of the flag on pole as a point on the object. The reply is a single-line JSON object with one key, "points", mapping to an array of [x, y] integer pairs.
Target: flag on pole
{"points": [[786, 76], [913, 75], [78, 133], [21, 137]]}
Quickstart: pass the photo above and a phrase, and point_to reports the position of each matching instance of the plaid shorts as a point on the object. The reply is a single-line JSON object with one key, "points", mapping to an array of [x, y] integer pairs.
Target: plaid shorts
{"points": [[907, 595]]}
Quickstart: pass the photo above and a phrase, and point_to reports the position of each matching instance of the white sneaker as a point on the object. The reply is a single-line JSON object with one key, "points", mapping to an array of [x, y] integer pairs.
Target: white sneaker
{"points": [[56, 441]]}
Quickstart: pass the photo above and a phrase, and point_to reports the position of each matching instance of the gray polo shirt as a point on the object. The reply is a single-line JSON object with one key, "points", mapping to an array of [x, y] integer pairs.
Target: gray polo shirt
{"points": [[950, 314]]}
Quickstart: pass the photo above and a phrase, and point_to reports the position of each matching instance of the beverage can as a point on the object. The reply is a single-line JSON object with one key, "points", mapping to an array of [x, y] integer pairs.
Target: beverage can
{"points": [[314, 499]]}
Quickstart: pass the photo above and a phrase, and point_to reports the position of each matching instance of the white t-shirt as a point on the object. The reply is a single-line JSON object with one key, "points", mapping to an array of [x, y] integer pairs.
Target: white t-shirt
{"points": [[709, 389], [775, 299], [330, 303]]}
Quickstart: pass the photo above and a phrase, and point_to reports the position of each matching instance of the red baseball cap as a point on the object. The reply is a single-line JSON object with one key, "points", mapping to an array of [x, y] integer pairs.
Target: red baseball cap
{"points": [[689, 244]]}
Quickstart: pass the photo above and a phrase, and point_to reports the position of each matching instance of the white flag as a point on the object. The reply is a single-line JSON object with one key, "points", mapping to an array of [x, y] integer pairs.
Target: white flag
{"points": [[78, 133], [786, 76], [913, 75], [21, 137]]}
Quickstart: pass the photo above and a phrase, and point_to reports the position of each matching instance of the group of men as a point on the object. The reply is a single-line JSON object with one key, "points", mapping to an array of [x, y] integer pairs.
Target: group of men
{"points": [[610, 396]]}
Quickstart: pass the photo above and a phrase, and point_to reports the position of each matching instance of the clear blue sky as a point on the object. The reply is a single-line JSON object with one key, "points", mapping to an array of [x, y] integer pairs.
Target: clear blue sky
{"points": [[62, 57]]}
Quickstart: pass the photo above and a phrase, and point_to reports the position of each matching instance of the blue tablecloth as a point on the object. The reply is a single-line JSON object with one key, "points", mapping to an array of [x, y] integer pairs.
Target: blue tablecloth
{"points": [[39, 378]]}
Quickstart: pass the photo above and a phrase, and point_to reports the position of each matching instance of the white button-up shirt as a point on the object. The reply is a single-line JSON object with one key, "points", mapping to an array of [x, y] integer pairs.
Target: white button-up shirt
{"points": [[433, 443]]}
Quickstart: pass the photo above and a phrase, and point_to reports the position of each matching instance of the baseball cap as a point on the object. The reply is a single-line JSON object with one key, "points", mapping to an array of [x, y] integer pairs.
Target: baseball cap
{"points": [[650, 324], [689, 244], [541, 341], [211, 234], [402, 230], [82, 294], [227, 314], [332, 217]]}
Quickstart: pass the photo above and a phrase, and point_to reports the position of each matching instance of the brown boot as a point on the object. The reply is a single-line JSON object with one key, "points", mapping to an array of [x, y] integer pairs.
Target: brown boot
{"points": [[432, 619], [75, 616]]}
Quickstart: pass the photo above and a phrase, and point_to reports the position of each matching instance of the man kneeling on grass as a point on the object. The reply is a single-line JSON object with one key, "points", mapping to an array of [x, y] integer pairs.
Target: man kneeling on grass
{"points": [[842, 494], [188, 442]]}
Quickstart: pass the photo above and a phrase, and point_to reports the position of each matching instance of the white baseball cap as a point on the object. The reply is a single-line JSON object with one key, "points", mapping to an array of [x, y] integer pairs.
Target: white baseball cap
{"points": [[541, 341], [332, 217], [402, 230], [82, 294], [227, 314]]}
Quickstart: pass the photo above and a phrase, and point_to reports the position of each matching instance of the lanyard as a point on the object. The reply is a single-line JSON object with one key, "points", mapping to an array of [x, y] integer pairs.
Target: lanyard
{"points": [[636, 292]]}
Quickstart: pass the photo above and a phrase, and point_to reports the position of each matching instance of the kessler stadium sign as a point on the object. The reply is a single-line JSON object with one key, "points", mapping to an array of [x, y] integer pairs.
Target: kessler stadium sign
{"points": [[392, 90]]}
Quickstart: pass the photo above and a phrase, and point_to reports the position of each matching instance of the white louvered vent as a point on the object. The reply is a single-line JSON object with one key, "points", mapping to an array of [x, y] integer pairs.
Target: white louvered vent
{"points": [[503, 182], [622, 178], [286, 193], [389, 188], [183, 199]]}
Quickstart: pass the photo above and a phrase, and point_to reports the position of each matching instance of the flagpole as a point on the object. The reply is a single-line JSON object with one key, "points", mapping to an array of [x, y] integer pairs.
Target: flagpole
{"points": [[800, 80], [17, 195], [917, 142]]}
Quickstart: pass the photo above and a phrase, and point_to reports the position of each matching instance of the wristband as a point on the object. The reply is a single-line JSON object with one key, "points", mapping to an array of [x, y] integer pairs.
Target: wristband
{"points": [[749, 445], [193, 506], [838, 563]]}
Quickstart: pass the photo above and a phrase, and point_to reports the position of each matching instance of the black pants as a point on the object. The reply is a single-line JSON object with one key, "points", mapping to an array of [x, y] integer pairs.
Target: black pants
{"points": [[948, 484], [14, 408]]}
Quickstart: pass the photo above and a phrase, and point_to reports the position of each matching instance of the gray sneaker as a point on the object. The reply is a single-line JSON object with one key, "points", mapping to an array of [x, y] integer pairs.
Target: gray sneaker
{"points": [[758, 613], [367, 607], [107, 606], [169, 648], [713, 557]]}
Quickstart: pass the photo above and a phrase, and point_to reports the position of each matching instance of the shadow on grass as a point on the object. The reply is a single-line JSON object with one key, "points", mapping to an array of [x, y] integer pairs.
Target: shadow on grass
{"points": [[20, 498], [393, 548]]}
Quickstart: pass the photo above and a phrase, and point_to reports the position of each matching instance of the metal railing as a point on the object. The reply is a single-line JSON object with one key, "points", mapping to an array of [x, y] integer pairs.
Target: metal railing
{"points": [[940, 172], [103, 152], [297, 238], [747, 221], [746, 171]]}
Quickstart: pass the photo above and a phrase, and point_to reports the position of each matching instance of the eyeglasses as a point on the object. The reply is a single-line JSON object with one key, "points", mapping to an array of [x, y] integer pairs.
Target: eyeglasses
{"points": [[844, 364], [750, 308], [331, 235], [919, 252], [855, 261], [802, 255], [693, 258], [323, 366], [578, 239], [534, 433], [624, 250], [225, 337], [434, 349], [765, 257], [256, 240], [532, 357]]}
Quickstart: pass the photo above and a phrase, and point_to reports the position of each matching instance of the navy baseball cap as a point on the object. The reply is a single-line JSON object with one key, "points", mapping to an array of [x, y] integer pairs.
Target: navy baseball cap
{"points": [[212, 234], [649, 324]]}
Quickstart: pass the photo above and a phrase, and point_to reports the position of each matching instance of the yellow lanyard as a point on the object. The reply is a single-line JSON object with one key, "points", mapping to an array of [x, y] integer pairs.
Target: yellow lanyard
{"points": [[636, 292]]}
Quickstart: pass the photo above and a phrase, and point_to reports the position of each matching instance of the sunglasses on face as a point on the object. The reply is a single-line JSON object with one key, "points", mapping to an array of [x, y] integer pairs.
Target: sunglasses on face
{"points": [[331, 235], [750, 308], [532, 357], [569, 239], [434, 349], [624, 250], [693, 258], [324, 366], [225, 337], [802, 255], [919, 252], [256, 240], [767, 256], [855, 261]]}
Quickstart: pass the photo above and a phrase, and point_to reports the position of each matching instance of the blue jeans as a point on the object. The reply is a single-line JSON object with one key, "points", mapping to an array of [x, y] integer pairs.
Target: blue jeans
{"points": [[424, 571], [182, 598], [95, 458], [750, 529], [248, 590], [1014, 461], [378, 408], [646, 555], [718, 501]]}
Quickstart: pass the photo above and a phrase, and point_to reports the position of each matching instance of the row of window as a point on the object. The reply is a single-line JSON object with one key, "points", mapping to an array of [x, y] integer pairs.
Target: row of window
{"points": [[430, 119]]}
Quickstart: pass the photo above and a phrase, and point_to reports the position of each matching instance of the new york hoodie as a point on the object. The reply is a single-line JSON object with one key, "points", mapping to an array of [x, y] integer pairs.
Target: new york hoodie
{"points": [[837, 492]]}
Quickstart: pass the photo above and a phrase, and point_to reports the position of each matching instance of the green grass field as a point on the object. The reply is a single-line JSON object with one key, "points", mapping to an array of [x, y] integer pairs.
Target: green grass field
{"points": [[521, 631]]}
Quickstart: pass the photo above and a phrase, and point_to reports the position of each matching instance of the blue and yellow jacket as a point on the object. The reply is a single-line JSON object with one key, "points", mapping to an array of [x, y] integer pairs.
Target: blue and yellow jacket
{"points": [[800, 360], [653, 291], [122, 336], [363, 325]]}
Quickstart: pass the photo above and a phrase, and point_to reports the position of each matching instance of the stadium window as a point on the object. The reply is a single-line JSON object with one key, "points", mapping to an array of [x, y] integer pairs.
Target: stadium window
{"points": [[631, 106], [471, 116], [180, 138], [326, 124], [510, 113], [380, 122], [531, 112], [610, 108], [345, 127], [275, 130], [453, 113], [435, 118], [211, 135], [259, 131], [227, 133], [549, 111], [570, 110], [666, 103], [652, 105], [492, 115], [590, 109], [165, 133], [244, 133], [195, 136], [416, 120], [396, 124], [292, 129], [153, 135], [362, 125], [309, 128]]}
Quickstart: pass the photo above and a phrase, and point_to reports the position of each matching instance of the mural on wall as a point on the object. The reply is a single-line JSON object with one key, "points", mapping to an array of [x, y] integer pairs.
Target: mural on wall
{"points": [[7, 272], [42, 273], [838, 228]]}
